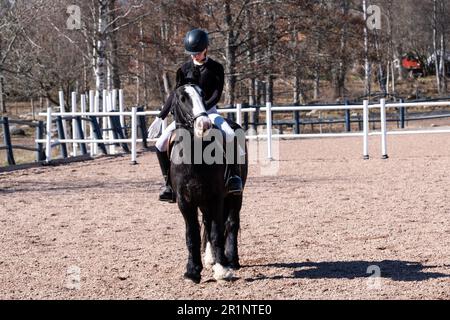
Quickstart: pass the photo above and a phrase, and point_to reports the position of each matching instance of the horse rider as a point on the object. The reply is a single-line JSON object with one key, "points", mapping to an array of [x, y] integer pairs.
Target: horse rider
{"points": [[208, 74]]}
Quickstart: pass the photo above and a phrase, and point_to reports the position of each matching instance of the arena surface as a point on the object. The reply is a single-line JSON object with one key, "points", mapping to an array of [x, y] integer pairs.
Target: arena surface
{"points": [[316, 224]]}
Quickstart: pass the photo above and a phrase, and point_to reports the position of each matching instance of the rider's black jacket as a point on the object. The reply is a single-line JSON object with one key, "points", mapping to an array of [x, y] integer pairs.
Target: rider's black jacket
{"points": [[209, 77]]}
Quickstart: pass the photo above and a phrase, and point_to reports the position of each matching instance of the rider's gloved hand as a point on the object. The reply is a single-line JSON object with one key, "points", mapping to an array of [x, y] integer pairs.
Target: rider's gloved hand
{"points": [[155, 128]]}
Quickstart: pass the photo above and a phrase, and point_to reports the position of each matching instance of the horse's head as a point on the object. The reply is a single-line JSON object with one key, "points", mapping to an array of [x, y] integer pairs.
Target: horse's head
{"points": [[190, 112]]}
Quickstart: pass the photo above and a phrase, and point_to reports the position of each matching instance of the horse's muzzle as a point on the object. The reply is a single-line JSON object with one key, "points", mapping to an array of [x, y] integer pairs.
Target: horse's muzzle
{"points": [[202, 126]]}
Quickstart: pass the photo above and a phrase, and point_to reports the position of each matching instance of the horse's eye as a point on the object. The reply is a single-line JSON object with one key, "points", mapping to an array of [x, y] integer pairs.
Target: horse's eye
{"points": [[183, 99]]}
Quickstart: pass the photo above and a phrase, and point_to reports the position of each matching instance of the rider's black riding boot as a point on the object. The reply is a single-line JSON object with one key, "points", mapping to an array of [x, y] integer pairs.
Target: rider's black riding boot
{"points": [[164, 162], [234, 182]]}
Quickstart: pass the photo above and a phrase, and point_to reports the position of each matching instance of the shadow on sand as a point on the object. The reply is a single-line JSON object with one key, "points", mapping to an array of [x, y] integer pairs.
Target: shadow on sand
{"points": [[390, 269]]}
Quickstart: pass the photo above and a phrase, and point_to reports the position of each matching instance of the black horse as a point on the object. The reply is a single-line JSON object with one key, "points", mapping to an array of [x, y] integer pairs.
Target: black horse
{"points": [[200, 184]]}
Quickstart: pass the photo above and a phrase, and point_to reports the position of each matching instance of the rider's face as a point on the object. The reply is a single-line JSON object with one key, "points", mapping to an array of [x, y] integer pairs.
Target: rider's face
{"points": [[199, 57]]}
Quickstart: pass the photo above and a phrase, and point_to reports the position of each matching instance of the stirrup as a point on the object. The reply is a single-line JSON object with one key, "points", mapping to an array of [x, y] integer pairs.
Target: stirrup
{"points": [[167, 195]]}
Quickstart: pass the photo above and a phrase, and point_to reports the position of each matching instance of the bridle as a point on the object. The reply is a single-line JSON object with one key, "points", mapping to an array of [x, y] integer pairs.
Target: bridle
{"points": [[188, 118]]}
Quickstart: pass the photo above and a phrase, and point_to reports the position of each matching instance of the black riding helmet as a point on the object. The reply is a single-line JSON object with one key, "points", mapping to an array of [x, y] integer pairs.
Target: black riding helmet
{"points": [[196, 41]]}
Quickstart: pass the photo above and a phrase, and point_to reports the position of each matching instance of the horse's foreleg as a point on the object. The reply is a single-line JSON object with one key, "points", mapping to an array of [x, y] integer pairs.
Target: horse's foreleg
{"points": [[194, 266], [217, 237], [232, 225], [208, 259]]}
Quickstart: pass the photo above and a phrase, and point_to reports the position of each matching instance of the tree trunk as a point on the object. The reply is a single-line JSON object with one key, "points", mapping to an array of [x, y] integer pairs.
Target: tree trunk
{"points": [[250, 58], [100, 68], [442, 66], [2, 99], [367, 70], [114, 54], [230, 55], [435, 36], [299, 97], [343, 63]]}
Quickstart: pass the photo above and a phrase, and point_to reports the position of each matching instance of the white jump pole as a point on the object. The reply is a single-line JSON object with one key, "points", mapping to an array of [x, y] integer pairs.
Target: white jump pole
{"points": [[239, 114], [48, 146], [366, 130], [121, 108], [112, 148], [269, 129], [133, 135], [384, 154], [91, 127], [104, 109], [74, 124], [83, 110], [97, 110], [62, 106], [114, 100]]}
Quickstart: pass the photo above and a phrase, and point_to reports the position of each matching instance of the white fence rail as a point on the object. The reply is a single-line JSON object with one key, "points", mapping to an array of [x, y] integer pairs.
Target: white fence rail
{"points": [[109, 109]]}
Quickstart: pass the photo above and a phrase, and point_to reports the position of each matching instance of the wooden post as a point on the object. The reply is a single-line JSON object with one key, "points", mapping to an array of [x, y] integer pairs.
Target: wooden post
{"points": [[142, 126], [98, 134], [61, 136], [402, 115], [40, 155], [297, 122], [7, 141], [80, 135]]}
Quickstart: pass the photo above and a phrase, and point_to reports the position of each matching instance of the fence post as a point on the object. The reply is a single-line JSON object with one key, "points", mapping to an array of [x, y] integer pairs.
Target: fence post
{"points": [[61, 136], [74, 123], [402, 115], [143, 127], [239, 114], [83, 111], [40, 156], [348, 122], [109, 133], [384, 154], [7, 140], [96, 124], [297, 121], [91, 128], [366, 130], [62, 108], [246, 116], [269, 129], [122, 117], [48, 143], [133, 135], [256, 119]]}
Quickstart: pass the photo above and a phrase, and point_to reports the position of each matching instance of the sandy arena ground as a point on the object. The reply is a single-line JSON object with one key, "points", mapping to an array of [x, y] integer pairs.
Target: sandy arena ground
{"points": [[315, 224]]}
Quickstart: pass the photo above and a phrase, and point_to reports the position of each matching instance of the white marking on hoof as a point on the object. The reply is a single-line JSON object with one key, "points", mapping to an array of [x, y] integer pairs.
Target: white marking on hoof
{"points": [[209, 256], [222, 273]]}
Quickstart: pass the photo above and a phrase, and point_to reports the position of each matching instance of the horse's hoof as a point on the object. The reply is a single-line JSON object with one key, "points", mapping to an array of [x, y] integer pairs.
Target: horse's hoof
{"points": [[222, 273], [193, 278]]}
